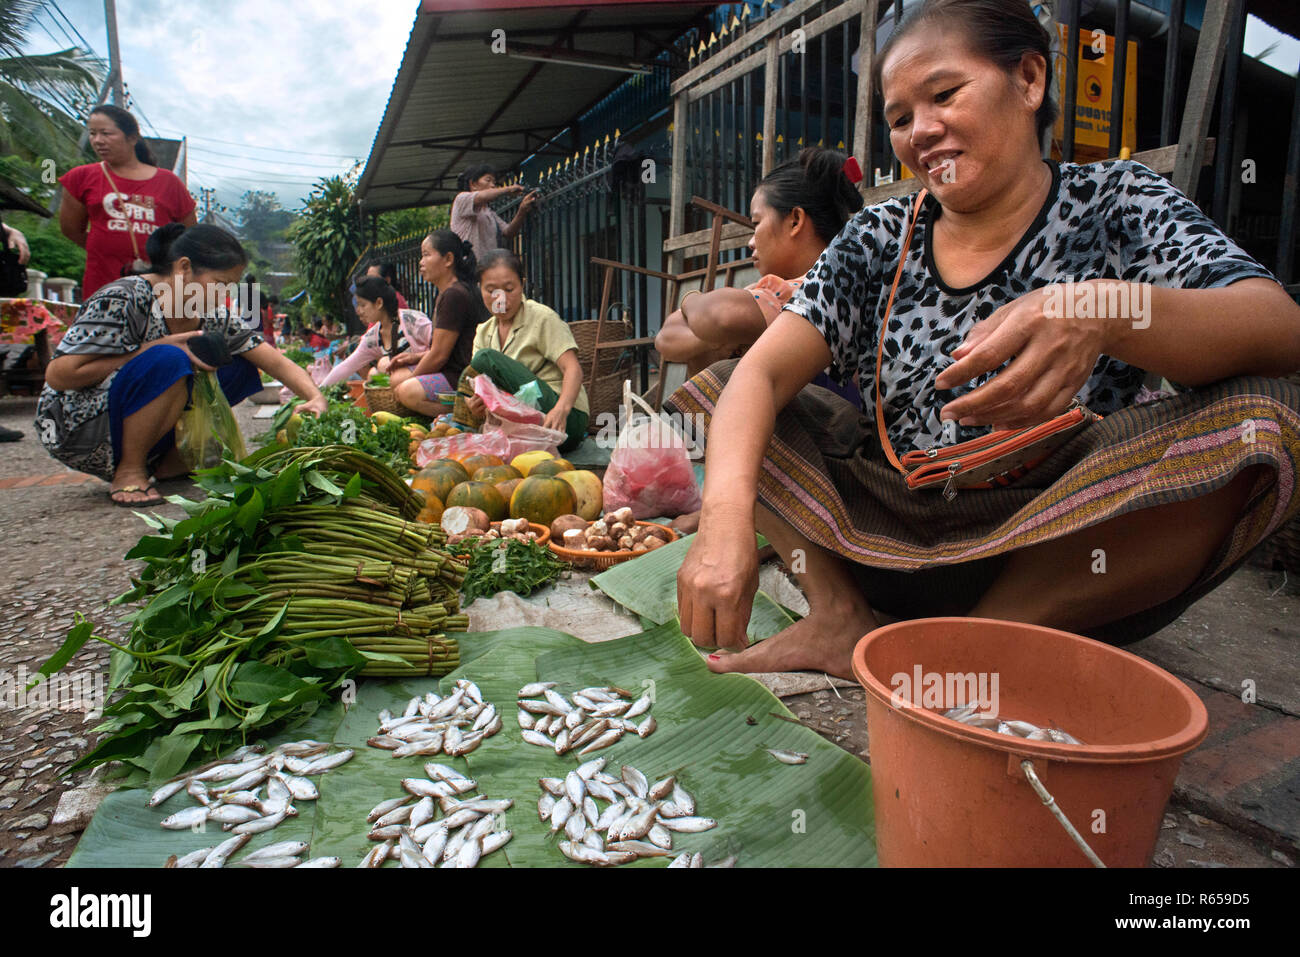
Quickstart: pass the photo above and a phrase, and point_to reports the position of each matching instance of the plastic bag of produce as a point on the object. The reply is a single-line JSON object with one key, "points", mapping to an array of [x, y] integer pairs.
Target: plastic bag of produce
{"points": [[207, 431], [650, 469], [503, 405], [487, 443], [524, 437]]}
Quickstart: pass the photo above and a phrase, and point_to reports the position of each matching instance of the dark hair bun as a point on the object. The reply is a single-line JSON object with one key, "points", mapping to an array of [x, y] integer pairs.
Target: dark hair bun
{"points": [[159, 245]]}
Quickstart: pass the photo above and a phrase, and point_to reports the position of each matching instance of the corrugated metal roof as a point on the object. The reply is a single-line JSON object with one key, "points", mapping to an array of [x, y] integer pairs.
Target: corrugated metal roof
{"points": [[455, 102]]}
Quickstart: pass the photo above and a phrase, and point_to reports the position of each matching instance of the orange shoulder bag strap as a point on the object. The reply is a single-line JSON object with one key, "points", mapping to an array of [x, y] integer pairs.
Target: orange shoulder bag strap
{"points": [[884, 327], [130, 233]]}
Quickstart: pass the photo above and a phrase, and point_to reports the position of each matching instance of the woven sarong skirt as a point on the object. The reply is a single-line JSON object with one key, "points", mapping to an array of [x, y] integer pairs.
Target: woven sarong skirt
{"points": [[919, 555]]}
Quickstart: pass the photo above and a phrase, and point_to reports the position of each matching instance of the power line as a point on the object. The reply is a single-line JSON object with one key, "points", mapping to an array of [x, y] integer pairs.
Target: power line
{"points": [[256, 159], [274, 149], [244, 169]]}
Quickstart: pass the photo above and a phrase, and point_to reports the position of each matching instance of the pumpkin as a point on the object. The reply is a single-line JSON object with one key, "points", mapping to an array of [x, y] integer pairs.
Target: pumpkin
{"points": [[542, 499], [436, 481], [474, 462], [432, 511], [451, 464], [482, 496], [552, 467], [495, 474], [524, 462], [588, 490]]}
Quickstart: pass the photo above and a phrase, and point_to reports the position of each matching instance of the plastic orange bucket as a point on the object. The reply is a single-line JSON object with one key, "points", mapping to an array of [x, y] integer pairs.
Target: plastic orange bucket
{"points": [[951, 795]]}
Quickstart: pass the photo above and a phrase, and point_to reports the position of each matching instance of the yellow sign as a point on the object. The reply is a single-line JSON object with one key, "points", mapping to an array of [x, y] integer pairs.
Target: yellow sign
{"points": [[1092, 99]]}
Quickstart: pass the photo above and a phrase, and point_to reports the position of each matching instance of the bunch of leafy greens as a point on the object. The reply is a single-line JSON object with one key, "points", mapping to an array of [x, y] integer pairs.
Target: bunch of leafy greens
{"points": [[344, 424], [506, 565], [300, 357], [245, 630]]}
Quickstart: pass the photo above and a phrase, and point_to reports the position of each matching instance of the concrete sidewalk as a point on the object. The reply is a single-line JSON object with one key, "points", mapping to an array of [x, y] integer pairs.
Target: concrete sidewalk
{"points": [[1236, 801]]}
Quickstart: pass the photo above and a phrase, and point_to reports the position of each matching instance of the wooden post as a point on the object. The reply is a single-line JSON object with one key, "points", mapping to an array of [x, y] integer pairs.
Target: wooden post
{"points": [[866, 65], [1210, 50], [770, 79], [677, 191]]}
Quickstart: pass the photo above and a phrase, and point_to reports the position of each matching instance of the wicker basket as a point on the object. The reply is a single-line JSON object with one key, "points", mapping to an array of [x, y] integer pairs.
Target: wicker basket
{"points": [[584, 335], [384, 399], [604, 397], [582, 558]]}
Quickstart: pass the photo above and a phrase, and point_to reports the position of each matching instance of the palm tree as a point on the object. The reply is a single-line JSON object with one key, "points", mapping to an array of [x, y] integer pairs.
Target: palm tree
{"points": [[43, 97]]}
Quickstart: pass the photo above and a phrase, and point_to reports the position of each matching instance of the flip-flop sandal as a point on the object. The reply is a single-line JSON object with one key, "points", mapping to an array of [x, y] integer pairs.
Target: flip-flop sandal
{"points": [[154, 499]]}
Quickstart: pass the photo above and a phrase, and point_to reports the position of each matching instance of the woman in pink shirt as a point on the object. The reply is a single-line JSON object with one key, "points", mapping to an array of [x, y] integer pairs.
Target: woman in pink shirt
{"points": [[391, 331], [474, 221]]}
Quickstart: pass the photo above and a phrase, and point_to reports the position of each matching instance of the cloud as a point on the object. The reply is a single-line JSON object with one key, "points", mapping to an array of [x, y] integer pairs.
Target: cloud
{"points": [[242, 76]]}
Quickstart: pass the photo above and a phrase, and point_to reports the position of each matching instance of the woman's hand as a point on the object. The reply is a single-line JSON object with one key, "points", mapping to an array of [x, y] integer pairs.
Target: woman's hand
{"points": [[718, 580], [19, 242], [1051, 356], [317, 405], [405, 359], [557, 418], [476, 405], [381, 366], [527, 203]]}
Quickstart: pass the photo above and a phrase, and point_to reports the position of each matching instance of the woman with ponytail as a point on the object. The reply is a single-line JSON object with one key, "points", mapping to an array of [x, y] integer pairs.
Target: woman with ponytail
{"points": [[122, 375], [447, 261], [798, 208], [111, 207]]}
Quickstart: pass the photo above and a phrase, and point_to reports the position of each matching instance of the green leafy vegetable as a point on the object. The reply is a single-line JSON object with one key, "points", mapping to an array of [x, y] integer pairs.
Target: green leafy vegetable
{"points": [[506, 565]]}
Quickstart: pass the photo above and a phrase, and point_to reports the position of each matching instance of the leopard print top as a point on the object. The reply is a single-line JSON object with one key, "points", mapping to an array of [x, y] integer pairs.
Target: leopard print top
{"points": [[1118, 220]]}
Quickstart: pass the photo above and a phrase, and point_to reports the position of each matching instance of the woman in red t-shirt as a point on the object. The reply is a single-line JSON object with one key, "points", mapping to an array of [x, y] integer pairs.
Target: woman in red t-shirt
{"points": [[111, 207]]}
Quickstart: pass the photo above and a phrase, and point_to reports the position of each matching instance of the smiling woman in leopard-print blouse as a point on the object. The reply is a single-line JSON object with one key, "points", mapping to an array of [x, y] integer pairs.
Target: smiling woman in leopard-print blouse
{"points": [[1027, 285]]}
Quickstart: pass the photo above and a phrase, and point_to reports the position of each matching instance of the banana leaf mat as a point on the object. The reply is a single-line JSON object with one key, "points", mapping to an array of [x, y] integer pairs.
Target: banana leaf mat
{"points": [[769, 814]]}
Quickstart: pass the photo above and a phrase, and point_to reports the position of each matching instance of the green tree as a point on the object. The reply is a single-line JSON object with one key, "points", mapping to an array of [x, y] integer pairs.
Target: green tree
{"points": [[41, 96], [52, 252], [261, 216], [327, 240]]}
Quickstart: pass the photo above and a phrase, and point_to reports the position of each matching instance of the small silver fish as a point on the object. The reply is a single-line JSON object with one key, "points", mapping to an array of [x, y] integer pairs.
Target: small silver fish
{"points": [[282, 849], [639, 707], [300, 789], [383, 807], [436, 843], [330, 761], [534, 689], [526, 720], [261, 824], [689, 825], [683, 799], [660, 836], [647, 727], [166, 791], [385, 741], [576, 826], [681, 860], [185, 819], [496, 840], [635, 780], [604, 741], [271, 862], [639, 848], [661, 789], [222, 851], [574, 787], [560, 813], [233, 814], [545, 805], [422, 812], [322, 862], [533, 737], [788, 757], [195, 858]]}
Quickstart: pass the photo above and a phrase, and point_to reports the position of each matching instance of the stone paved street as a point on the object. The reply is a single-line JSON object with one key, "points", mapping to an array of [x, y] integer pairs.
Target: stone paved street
{"points": [[1236, 801]]}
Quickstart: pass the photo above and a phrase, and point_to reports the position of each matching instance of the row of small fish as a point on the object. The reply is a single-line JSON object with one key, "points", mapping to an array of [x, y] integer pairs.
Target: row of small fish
{"points": [[221, 789], [285, 854], [411, 833], [453, 725], [639, 818], [970, 715], [587, 720]]}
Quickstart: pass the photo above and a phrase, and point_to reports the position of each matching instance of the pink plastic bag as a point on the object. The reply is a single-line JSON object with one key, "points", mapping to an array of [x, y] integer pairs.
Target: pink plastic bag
{"points": [[503, 405], [650, 470], [487, 443]]}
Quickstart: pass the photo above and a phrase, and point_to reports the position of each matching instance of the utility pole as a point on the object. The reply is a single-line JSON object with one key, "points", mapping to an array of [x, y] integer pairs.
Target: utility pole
{"points": [[114, 56], [207, 192]]}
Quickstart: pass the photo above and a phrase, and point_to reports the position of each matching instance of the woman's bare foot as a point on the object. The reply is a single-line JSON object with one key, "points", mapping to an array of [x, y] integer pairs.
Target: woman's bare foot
{"points": [[824, 641]]}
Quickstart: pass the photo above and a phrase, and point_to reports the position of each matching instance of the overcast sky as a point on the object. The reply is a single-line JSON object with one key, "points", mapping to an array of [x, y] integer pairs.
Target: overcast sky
{"points": [[276, 93], [271, 93]]}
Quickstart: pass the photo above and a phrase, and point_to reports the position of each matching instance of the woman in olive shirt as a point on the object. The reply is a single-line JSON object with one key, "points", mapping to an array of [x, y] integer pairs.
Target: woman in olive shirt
{"points": [[525, 340]]}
